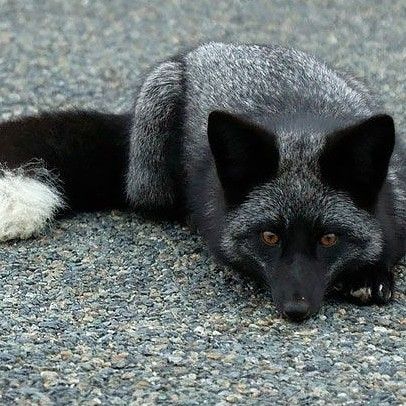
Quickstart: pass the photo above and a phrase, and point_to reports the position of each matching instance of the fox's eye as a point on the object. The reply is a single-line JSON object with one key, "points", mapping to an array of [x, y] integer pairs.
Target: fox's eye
{"points": [[269, 238], [328, 240]]}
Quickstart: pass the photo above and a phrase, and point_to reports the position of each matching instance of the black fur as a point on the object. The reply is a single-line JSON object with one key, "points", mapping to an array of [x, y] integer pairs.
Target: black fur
{"points": [[245, 154], [86, 150], [356, 159]]}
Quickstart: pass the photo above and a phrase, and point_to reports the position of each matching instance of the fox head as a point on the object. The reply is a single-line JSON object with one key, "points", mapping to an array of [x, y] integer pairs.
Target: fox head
{"points": [[299, 213]]}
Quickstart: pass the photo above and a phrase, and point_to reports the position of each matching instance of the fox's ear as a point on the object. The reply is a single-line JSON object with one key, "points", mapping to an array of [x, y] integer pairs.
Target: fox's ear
{"points": [[245, 154], [356, 159]]}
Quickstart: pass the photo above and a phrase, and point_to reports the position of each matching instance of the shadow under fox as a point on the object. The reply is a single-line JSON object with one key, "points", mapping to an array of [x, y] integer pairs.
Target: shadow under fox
{"points": [[289, 169]]}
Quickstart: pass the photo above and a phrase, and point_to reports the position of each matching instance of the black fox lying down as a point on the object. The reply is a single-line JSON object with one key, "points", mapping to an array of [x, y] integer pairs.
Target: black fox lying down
{"points": [[289, 169]]}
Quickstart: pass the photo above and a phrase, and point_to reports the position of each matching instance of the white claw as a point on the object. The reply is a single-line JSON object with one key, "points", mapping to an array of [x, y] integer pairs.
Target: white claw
{"points": [[363, 294]]}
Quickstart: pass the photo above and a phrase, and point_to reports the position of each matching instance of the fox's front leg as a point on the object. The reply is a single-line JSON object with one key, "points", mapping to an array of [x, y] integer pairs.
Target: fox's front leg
{"points": [[366, 286]]}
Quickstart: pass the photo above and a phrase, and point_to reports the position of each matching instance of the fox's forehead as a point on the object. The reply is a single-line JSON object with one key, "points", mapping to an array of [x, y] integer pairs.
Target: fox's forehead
{"points": [[289, 201]]}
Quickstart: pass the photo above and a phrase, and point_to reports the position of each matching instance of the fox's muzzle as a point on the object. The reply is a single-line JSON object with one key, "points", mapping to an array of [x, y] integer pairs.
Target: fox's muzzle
{"points": [[297, 289], [296, 310]]}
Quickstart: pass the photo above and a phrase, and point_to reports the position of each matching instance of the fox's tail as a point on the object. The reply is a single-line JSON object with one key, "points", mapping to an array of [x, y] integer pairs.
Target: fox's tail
{"points": [[55, 161]]}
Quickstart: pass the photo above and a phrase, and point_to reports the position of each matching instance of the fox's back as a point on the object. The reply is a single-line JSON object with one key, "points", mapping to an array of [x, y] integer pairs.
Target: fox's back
{"points": [[284, 89]]}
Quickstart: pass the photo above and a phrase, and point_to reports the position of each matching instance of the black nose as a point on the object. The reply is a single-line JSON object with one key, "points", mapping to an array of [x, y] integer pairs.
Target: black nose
{"points": [[296, 309]]}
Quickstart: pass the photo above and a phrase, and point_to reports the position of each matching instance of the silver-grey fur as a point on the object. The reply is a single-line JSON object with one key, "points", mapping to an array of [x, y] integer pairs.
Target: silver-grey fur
{"points": [[148, 181], [262, 81]]}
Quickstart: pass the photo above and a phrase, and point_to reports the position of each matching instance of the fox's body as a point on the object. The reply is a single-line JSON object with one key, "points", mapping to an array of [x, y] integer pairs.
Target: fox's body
{"points": [[241, 139]]}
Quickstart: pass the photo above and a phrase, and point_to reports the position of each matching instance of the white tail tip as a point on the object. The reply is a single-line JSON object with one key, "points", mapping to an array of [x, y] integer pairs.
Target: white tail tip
{"points": [[27, 204]]}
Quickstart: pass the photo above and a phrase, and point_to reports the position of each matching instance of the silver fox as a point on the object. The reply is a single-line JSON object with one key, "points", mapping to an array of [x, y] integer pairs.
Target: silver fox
{"points": [[289, 169]]}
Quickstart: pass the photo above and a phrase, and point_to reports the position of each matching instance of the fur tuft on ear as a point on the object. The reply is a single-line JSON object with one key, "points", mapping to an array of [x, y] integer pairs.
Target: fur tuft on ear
{"points": [[245, 154], [356, 159]]}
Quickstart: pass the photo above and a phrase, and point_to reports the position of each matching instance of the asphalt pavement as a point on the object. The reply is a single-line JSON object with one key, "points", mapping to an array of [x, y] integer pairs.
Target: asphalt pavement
{"points": [[109, 308]]}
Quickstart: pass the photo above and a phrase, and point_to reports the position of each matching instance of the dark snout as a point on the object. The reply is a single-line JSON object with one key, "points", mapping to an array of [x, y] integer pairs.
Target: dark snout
{"points": [[297, 290], [299, 308], [296, 310]]}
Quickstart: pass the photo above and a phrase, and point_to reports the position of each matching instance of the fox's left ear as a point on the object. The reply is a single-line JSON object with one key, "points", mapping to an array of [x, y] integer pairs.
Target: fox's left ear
{"points": [[356, 159], [245, 154]]}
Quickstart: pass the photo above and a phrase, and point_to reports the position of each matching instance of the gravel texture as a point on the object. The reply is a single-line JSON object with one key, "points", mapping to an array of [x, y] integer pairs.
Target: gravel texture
{"points": [[109, 308]]}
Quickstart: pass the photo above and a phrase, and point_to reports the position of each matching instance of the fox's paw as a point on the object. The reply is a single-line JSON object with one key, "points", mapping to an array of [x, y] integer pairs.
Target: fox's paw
{"points": [[374, 287]]}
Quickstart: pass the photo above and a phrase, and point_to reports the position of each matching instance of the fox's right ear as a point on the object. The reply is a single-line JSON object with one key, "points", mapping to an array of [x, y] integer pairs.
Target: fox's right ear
{"points": [[356, 158], [245, 154]]}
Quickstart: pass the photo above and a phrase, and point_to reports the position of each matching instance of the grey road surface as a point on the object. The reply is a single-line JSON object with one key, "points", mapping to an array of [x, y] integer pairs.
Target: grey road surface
{"points": [[109, 308]]}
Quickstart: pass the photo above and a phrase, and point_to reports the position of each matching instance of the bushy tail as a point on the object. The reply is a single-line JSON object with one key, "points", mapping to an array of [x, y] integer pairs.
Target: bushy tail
{"points": [[67, 160]]}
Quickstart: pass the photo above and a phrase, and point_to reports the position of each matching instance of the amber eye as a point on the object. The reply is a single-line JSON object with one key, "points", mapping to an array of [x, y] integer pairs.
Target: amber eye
{"points": [[328, 240], [269, 238]]}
